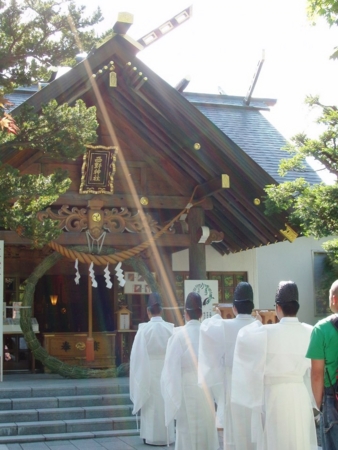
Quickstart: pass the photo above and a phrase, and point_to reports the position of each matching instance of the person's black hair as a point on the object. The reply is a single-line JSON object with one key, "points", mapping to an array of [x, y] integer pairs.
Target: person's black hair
{"points": [[193, 305], [287, 298], [289, 309], [195, 314], [243, 298], [287, 292], [244, 307], [155, 309], [154, 304], [243, 292]]}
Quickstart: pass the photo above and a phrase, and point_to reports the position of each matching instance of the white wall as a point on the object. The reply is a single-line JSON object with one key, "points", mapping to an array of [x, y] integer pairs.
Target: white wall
{"points": [[237, 262], [266, 266], [289, 261]]}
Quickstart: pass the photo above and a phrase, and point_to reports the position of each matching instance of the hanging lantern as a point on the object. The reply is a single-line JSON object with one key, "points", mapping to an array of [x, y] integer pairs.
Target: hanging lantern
{"points": [[53, 299]]}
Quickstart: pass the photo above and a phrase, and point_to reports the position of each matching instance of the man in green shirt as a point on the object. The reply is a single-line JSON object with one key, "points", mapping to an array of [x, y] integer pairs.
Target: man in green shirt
{"points": [[323, 351]]}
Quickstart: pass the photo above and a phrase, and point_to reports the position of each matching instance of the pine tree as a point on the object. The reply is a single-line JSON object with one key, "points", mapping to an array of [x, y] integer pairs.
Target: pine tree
{"points": [[35, 36]]}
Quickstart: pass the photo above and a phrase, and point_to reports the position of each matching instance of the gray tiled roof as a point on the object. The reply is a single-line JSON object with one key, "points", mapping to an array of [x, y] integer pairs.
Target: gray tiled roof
{"points": [[244, 125], [20, 95], [250, 130]]}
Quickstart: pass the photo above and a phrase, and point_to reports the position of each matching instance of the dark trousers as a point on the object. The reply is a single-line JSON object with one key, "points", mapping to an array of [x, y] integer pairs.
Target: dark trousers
{"points": [[329, 422]]}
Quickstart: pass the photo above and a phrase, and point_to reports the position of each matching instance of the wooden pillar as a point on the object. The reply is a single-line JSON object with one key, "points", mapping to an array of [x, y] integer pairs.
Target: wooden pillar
{"points": [[197, 258], [172, 312], [90, 341]]}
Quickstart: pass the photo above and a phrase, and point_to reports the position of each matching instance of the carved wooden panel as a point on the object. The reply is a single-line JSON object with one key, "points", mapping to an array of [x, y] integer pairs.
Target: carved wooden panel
{"points": [[71, 348]]}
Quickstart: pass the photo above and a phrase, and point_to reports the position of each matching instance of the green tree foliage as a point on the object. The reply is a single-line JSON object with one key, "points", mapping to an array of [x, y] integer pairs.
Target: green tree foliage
{"points": [[38, 34], [313, 208], [324, 8], [328, 276], [327, 9], [35, 35], [58, 131], [31, 194]]}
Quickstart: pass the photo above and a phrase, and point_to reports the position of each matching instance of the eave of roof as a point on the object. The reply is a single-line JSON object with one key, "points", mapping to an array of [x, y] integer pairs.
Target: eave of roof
{"points": [[185, 125], [251, 131]]}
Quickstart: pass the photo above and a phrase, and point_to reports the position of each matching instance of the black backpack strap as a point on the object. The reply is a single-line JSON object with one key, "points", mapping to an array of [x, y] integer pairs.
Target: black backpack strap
{"points": [[334, 322]]}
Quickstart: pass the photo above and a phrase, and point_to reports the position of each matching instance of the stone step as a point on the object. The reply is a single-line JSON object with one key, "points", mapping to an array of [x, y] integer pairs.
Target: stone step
{"points": [[76, 413], [66, 436], [62, 391], [68, 426], [64, 402], [65, 409]]}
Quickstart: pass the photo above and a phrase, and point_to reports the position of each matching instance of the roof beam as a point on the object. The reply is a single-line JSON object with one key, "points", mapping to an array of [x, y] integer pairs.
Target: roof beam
{"points": [[183, 84], [30, 161], [123, 23], [212, 187], [127, 200]]}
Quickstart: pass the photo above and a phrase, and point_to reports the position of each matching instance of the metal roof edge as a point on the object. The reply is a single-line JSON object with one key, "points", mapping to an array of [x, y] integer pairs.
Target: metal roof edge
{"points": [[224, 105], [256, 102]]}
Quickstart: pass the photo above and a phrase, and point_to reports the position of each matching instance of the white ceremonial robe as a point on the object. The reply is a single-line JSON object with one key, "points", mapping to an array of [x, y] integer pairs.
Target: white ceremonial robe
{"points": [[146, 364], [216, 351], [192, 406], [271, 377]]}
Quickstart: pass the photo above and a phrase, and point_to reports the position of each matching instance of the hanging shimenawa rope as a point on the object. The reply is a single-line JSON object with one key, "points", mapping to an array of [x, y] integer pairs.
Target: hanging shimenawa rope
{"points": [[50, 362], [102, 260], [53, 364]]}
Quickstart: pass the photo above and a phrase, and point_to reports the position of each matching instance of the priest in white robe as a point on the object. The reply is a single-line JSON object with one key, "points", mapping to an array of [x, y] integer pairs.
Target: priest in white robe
{"points": [[146, 364], [271, 376], [191, 405], [216, 351]]}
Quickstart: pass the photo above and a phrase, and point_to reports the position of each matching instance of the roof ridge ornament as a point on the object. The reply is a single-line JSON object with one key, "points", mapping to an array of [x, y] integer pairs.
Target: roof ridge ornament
{"points": [[166, 27], [289, 233], [123, 23], [248, 96]]}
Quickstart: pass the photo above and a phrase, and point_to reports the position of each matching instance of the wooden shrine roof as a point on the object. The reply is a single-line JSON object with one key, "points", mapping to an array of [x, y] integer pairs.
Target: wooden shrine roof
{"points": [[171, 141]]}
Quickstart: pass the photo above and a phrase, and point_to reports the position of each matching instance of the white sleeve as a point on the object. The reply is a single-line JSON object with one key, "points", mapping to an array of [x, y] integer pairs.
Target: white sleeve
{"points": [[171, 378], [139, 379], [249, 366], [247, 387], [210, 354]]}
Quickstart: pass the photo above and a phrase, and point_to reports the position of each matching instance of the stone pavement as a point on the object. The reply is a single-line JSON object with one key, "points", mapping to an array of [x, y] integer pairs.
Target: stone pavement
{"points": [[109, 443]]}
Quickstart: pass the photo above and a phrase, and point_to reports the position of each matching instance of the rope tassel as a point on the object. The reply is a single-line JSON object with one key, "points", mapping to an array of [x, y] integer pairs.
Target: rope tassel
{"points": [[109, 284], [119, 274], [92, 275], [77, 275]]}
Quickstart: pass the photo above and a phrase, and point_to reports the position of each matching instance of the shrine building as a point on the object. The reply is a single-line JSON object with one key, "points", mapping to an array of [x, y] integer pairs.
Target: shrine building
{"points": [[175, 180]]}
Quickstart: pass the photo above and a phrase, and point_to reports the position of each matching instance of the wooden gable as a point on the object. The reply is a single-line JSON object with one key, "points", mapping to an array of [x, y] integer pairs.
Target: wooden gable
{"points": [[166, 150]]}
